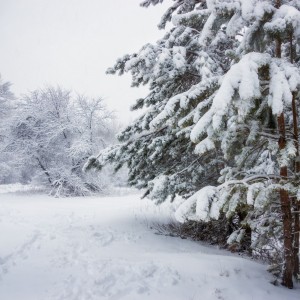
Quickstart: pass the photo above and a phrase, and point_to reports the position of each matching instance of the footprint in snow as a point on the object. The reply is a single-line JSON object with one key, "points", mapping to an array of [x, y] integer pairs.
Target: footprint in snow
{"points": [[105, 238], [114, 279], [23, 252]]}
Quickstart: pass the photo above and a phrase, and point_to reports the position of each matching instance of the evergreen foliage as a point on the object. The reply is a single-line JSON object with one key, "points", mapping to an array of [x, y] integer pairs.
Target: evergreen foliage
{"points": [[219, 125]]}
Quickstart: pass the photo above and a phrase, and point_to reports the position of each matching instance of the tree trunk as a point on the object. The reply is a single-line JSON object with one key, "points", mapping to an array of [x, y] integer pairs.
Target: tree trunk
{"points": [[45, 170], [287, 278], [296, 202]]}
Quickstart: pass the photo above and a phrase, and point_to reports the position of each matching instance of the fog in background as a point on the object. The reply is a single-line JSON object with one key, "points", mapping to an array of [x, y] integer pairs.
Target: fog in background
{"points": [[72, 43]]}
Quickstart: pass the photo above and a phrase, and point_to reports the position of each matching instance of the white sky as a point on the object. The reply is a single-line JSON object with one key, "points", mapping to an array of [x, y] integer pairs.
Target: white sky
{"points": [[72, 43]]}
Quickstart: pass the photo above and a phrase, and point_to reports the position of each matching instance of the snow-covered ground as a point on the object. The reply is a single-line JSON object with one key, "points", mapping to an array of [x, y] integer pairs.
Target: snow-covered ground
{"points": [[103, 248]]}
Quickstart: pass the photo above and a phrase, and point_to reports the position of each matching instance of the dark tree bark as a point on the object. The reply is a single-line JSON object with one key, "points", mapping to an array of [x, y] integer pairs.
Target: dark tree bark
{"points": [[45, 170], [287, 279], [286, 211], [295, 201], [296, 205]]}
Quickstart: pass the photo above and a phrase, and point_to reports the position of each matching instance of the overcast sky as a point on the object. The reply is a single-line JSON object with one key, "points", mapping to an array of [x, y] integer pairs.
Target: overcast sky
{"points": [[72, 43]]}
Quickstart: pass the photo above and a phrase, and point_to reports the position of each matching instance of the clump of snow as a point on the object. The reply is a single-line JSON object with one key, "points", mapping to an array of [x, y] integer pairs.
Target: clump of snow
{"points": [[241, 78], [284, 18], [198, 206], [204, 146], [279, 90], [179, 54], [207, 31]]}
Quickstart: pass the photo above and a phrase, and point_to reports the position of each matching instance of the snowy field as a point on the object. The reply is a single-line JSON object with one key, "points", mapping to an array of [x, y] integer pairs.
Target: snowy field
{"points": [[103, 248]]}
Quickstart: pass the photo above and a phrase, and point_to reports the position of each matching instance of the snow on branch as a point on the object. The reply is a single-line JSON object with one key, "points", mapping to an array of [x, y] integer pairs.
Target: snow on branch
{"points": [[241, 78]]}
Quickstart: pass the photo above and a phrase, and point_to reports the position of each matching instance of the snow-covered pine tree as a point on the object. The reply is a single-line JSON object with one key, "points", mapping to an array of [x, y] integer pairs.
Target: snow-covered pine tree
{"points": [[253, 119], [179, 7], [239, 103], [183, 74]]}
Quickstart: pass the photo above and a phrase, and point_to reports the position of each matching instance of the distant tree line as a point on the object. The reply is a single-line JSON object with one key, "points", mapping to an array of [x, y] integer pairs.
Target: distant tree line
{"points": [[47, 136]]}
